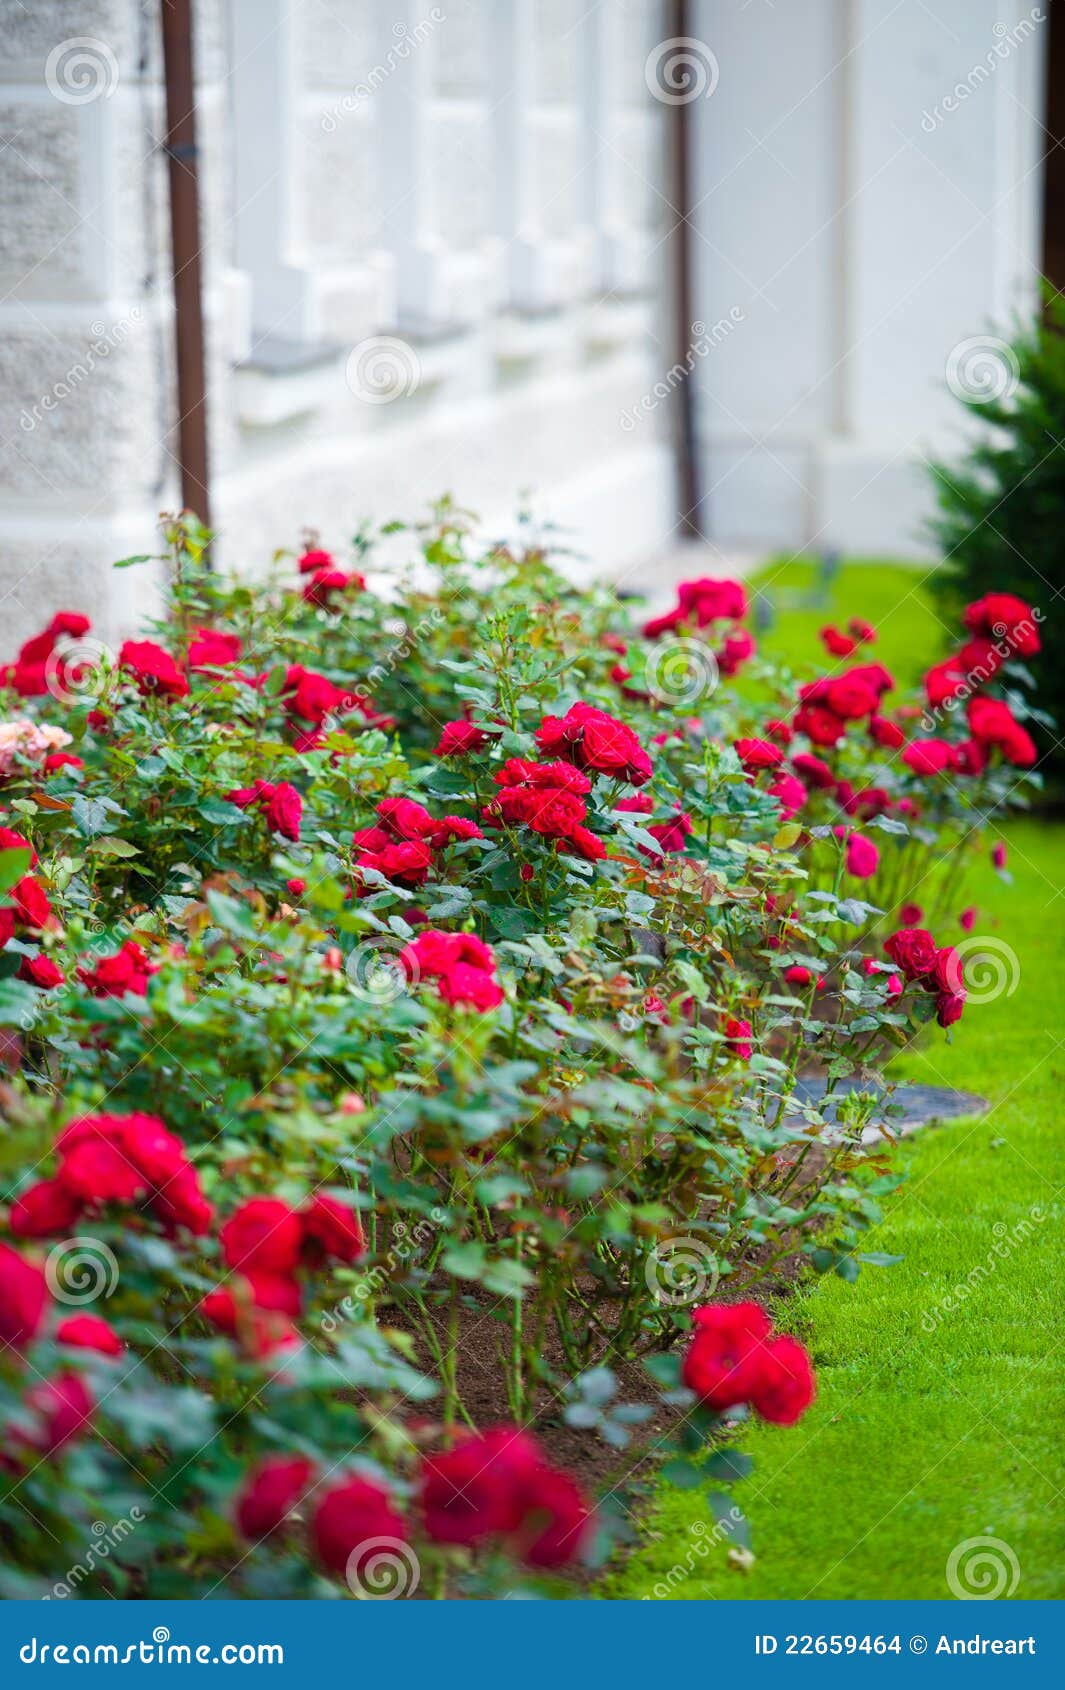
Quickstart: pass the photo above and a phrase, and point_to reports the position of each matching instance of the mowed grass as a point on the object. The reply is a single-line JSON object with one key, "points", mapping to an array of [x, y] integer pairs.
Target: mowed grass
{"points": [[940, 1411], [791, 601]]}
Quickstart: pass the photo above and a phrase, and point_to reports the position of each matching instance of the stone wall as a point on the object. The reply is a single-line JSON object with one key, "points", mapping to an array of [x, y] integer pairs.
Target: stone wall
{"points": [[433, 262]]}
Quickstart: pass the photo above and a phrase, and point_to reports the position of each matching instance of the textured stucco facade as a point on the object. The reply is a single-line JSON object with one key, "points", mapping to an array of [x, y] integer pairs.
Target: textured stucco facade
{"points": [[473, 181]]}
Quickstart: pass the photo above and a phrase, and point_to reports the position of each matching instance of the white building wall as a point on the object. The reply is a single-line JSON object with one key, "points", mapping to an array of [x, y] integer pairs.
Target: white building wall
{"points": [[866, 217], [472, 180]]}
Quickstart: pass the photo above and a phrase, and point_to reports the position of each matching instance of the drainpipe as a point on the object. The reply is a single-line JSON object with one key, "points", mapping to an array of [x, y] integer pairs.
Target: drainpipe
{"points": [[683, 311], [182, 154]]}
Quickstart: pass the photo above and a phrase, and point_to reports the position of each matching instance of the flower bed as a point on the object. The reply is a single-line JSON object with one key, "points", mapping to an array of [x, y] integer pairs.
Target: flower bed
{"points": [[378, 972]]}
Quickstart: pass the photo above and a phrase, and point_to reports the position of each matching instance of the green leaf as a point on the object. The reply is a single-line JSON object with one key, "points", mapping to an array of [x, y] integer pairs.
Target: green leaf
{"points": [[13, 865], [18, 1003], [729, 1465], [684, 1474], [108, 845]]}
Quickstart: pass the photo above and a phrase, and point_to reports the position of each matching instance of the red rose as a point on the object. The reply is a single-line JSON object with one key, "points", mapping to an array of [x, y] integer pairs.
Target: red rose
{"points": [[738, 1039], [263, 1235], [40, 971], [591, 739], [721, 1362], [315, 560], [474, 1490], [784, 1388], [945, 682], [270, 1492], [153, 669], [789, 793], [89, 1332], [911, 915], [458, 739], [839, 645], [1002, 616], [283, 811], [757, 754], [673, 834], [815, 772], [863, 857], [32, 908], [333, 1229], [821, 726], [470, 988], [886, 733], [557, 1519], [734, 651], [949, 1006], [349, 1523], [64, 1406], [929, 756], [402, 818], [23, 1298], [127, 971], [851, 697], [325, 583], [913, 950], [11, 841], [210, 648], [236, 1310], [44, 1209]]}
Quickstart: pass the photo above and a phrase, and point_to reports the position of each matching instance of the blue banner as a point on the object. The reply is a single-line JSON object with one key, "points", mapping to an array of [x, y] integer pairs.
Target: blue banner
{"points": [[520, 1644]]}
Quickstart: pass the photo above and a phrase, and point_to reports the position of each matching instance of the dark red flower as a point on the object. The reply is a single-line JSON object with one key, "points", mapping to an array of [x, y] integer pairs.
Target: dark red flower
{"points": [[64, 1406], [913, 950], [264, 1235], [332, 1229], [89, 1332], [23, 1298], [271, 1490], [721, 1362], [784, 1388], [44, 1209], [591, 739], [40, 971], [153, 669], [349, 1523], [459, 738]]}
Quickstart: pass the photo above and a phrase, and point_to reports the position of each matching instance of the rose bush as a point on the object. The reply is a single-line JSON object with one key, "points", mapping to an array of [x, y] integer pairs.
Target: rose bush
{"points": [[381, 971]]}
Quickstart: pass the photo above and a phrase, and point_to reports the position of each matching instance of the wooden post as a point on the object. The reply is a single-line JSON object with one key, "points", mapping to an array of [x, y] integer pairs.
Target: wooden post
{"points": [[182, 154]]}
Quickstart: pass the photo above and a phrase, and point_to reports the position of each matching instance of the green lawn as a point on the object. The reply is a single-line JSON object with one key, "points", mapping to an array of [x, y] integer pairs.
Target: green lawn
{"points": [[932, 1425], [894, 597]]}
